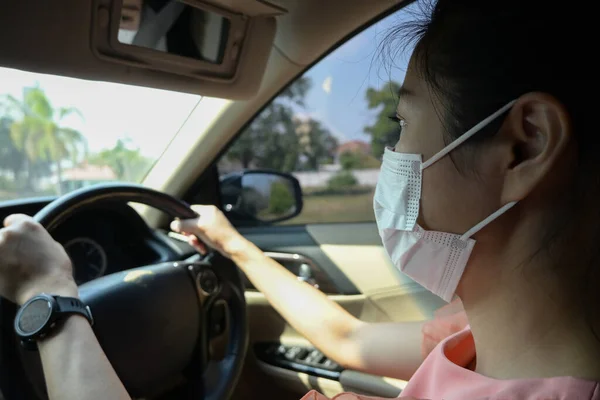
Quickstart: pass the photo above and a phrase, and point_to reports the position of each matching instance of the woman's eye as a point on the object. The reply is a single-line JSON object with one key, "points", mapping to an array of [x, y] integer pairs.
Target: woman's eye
{"points": [[401, 123]]}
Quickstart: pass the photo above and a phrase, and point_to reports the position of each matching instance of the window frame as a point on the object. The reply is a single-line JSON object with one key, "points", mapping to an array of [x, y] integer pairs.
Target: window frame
{"points": [[211, 174]]}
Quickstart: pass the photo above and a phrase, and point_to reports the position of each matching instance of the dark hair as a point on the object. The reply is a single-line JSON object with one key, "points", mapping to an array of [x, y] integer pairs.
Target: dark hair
{"points": [[477, 55]]}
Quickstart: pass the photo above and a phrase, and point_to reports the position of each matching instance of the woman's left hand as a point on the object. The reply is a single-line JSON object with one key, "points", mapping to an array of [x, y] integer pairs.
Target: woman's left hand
{"points": [[32, 262]]}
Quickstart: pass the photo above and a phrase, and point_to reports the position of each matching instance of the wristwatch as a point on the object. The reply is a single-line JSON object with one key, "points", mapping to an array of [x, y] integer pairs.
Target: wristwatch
{"points": [[38, 316]]}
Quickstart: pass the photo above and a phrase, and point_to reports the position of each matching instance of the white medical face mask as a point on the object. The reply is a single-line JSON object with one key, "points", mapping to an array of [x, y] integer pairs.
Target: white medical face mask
{"points": [[436, 260]]}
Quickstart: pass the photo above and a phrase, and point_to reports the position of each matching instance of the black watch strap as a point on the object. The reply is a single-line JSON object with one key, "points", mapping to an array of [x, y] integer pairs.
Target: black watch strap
{"points": [[72, 305], [61, 307]]}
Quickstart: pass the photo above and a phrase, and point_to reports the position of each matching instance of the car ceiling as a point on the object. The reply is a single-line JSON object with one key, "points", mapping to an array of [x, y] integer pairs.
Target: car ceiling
{"points": [[62, 30]]}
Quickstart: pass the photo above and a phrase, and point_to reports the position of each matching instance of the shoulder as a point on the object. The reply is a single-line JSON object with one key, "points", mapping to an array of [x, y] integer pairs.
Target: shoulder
{"points": [[447, 321]]}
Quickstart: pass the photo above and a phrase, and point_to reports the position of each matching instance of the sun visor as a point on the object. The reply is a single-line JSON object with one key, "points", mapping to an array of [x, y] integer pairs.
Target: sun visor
{"points": [[210, 47]]}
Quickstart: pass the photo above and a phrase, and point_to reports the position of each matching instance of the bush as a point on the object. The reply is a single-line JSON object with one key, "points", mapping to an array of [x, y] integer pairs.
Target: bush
{"points": [[342, 181], [7, 184], [281, 200], [350, 160]]}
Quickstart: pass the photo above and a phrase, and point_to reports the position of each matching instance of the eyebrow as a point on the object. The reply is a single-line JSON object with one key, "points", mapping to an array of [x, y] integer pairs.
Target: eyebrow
{"points": [[405, 92], [405, 96]]}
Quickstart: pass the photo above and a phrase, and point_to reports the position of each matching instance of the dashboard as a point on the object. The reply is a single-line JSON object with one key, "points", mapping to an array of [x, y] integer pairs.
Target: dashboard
{"points": [[107, 239]]}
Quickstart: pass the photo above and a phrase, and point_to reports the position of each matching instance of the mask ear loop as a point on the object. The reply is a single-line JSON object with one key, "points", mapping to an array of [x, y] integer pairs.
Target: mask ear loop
{"points": [[442, 153], [487, 221]]}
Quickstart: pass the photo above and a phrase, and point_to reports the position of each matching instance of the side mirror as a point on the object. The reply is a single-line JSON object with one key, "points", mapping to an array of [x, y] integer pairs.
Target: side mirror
{"points": [[260, 197]]}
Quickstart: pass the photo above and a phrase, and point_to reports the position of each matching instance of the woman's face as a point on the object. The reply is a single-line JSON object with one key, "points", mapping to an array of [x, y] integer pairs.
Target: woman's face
{"points": [[455, 199], [451, 201], [524, 162]]}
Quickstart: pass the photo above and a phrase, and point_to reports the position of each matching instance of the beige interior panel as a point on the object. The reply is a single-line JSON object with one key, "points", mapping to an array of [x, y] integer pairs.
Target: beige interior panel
{"points": [[261, 381], [300, 382], [312, 26], [265, 324], [359, 382], [350, 381], [56, 38], [417, 305], [356, 249]]}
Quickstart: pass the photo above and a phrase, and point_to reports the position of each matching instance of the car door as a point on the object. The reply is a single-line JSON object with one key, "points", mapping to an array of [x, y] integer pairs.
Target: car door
{"points": [[328, 129]]}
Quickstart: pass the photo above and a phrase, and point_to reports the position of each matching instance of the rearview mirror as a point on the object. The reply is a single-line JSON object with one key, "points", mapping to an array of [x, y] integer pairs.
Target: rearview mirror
{"points": [[172, 27], [260, 197], [215, 48]]}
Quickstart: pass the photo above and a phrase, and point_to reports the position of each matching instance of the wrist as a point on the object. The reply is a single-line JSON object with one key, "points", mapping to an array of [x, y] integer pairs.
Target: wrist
{"points": [[240, 250], [65, 287]]}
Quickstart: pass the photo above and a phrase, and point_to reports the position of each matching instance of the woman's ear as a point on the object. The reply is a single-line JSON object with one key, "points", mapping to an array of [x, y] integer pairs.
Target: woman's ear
{"points": [[538, 131]]}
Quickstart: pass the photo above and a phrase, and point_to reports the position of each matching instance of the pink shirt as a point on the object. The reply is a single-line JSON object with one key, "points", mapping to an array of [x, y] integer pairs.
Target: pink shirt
{"points": [[441, 377], [444, 375]]}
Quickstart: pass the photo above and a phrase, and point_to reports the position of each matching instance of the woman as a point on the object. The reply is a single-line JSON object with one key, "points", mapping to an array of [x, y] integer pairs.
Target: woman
{"points": [[490, 195]]}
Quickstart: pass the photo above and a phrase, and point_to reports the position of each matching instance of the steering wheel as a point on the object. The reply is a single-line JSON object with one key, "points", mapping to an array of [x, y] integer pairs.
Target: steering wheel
{"points": [[170, 324]]}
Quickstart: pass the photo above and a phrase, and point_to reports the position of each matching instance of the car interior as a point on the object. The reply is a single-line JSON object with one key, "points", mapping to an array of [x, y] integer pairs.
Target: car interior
{"points": [[173, 323]]}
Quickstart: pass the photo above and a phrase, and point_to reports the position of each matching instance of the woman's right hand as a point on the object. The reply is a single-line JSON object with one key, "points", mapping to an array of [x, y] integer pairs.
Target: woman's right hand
{"points": [[213, 229]]}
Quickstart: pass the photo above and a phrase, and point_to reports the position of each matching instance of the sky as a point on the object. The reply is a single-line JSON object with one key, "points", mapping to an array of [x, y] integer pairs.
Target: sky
{"points": [[337, 97], [148, 117], [151, 117]]}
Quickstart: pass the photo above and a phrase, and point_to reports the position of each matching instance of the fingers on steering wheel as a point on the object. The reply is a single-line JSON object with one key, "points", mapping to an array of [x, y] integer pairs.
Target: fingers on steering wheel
{"points": [[197, 244], [185, 227], [200, 209], [14, 218]]}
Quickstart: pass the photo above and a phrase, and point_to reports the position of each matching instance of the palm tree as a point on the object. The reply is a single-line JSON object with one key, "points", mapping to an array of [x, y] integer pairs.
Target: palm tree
{"points": [[11, 159], [39, 132], [126, 161]]}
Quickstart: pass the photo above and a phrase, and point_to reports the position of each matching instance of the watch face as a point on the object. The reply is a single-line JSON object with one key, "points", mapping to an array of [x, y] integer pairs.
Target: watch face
{"points": [[34, 316]]}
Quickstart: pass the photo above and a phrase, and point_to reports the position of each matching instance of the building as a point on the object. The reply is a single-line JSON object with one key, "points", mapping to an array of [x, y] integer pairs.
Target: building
{"points": [[353, 146], [86, 175]]}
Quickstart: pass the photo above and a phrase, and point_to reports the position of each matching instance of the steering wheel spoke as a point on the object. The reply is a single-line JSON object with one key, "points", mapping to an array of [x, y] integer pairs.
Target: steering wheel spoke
{"points": [[223, 305]]}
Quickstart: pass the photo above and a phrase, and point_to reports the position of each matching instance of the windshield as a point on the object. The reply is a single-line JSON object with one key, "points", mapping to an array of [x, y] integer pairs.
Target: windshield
{"points": [[60, 134]]}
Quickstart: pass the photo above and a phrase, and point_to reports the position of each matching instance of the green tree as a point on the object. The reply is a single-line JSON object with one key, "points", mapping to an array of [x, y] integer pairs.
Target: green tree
{"points": [[126, 161], [11, 158], [350, 160], [384, 132], [270, 141], [317, 144], [342, 181], [38, 131], [281, 199]]}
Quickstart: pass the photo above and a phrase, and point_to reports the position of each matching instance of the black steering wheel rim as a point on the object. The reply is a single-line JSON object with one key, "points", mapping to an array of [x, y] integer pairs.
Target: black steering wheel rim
{"points": [[63, 207], [184, 274]]}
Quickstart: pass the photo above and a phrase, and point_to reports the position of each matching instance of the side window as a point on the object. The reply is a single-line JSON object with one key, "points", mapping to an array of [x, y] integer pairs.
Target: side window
{"points": [[329, 129]]}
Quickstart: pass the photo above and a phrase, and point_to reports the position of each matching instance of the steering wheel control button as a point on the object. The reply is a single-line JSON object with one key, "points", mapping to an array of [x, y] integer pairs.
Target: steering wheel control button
{"points": [[218, 321], [208, 282], [218, 330]]}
